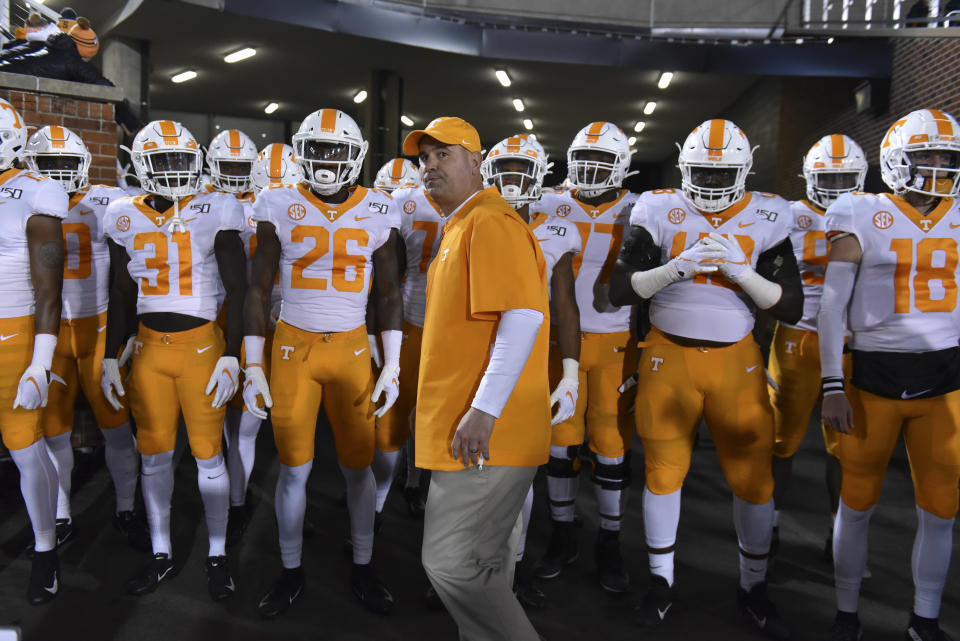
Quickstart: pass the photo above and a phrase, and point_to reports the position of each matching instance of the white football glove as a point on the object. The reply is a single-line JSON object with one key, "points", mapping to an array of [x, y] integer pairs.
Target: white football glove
{"points": [[225, 379], [32, 389], [735, 263], [701, 258], [388, 384], [110, 382], [254, 384], [127, 352], [628, 384], [566, 395], [375, 350]]}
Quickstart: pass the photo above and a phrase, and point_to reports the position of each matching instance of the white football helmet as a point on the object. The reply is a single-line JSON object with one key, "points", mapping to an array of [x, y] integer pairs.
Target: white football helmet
{"points": [[13, 135], [167, 160], [714, 162], [586, 172], [59, 154], [516, 166], [397, 174], [230, 159], [329, 148], [834, 165], [275, 165], [921, 153]]}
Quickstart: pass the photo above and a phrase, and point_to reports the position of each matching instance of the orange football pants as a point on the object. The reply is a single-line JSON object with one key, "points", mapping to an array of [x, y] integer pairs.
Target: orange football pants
{"points": [[727, 387], [795, 366], [931, 432], [334, 367], [393, 428], [169, 374], [19, 428], [606, 360], [76, 362]]}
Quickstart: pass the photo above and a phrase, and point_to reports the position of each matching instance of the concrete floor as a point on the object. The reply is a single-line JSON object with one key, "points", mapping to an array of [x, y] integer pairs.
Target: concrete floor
{"points": [[93, 605]]}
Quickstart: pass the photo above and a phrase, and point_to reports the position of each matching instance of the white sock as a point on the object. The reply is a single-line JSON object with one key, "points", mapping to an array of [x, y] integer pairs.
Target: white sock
{"points": [[384, 465], [525, 522], [361, 503], [240, 431], [931, 559], [413, 472], [38, 484], [608, 487], [562, 490], [61, 453], [291, 504], [661, 516], [849, 554], [214, 484], [754, 525], [157, 484], [120, 454]]}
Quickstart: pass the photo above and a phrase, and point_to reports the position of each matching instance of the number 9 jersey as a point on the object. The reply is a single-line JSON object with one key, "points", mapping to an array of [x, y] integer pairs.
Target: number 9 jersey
{"points": [[905, 294], [174, 265]]}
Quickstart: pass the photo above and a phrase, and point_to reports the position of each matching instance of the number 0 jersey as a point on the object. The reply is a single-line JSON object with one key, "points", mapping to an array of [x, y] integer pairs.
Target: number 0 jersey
{"points": [[905, 293], [86, 263], [601, 230], [708, 307], [22, 194], [811, 249], [326, 257], [421, 222], [557, 237], [175, 270]]}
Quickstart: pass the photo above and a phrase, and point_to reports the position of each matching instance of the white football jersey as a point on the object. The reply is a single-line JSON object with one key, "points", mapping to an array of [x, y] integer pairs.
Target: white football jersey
{"points": [[22, 194], [248, 236], [557, 237], [175, 271], [601, 230], [86, 263], [810, 246], [421, 224], [708, 307], [905, 294], [326, 258]]}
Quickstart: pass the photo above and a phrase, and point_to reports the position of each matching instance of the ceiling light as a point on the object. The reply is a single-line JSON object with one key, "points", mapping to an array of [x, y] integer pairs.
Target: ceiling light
{"points": [[649, 107], [242, 54], [665, 79], [830, 40], [527, 124], [407, 122], [799, 41], [183, 76], [518, 104], [360, 96], [503, 77], [632, 140], [269, 109], [639, 126]]}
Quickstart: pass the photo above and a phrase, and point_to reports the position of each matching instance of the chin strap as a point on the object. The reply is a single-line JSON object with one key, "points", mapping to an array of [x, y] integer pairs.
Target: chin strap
{"points": [[176, 223]]}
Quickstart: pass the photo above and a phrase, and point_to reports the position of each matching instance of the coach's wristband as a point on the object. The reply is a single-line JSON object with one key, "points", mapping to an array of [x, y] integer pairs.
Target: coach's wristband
{"points": [[832, 385], [253, 349], [43, 347]]}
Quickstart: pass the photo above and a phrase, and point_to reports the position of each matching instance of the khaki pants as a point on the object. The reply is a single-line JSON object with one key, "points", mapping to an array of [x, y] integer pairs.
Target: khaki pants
{"points": [[470, 536]]}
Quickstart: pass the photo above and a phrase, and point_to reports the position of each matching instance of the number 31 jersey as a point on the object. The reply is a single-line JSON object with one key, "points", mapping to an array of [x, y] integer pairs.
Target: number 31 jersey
{"points": [[326, 257], [421, 222], [905, 293], [175, 269]]}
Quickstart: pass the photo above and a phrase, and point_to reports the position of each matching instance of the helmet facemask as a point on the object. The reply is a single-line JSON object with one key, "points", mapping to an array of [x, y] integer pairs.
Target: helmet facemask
{"points": [[932, 171], [230, 175], [70, 170], [329, 166], [519, 180], [825, 186], [170, 174], [593, 172], [714, 187]]}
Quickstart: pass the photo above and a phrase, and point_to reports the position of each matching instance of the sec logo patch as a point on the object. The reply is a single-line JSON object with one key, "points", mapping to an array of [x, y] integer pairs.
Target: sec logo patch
{"points": [[676, 215], [563, 210], [296, 211], [883, 220], [804, 221], [123, 223], [409, 207]]}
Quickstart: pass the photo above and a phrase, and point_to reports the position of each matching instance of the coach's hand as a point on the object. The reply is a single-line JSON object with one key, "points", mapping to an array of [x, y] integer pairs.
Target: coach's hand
{"points": [[473, 437], [837, 413]]}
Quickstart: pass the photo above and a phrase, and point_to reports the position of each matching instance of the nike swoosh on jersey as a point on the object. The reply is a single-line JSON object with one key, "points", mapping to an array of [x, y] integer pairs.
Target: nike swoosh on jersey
{"points": [[952, 226], [359, 218], [750, 369], [201, 351], [742, 224], [6, 338], [906, 396], [357, 352], [100, 329]]}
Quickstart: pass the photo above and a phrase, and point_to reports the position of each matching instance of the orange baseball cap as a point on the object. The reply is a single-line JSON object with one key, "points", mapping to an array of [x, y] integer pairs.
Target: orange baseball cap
{"points": [[449, 130]]}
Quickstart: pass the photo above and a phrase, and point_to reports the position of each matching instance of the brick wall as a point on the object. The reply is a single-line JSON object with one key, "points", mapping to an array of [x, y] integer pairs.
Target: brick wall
{"points": [[91, 120]]}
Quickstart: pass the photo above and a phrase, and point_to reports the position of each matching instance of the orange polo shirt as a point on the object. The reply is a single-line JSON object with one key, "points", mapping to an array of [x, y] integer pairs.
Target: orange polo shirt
{"points": [[488, 262]]}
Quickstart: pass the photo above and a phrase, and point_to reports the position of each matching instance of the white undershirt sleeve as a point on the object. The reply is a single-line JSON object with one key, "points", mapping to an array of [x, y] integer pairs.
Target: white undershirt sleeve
{"points": [[516, 334], [837, 290]]}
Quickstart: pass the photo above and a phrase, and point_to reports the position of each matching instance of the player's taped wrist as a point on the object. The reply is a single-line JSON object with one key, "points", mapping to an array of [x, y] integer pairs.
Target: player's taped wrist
{"points": [[253, 350], [832, 385], [649, 282], [764, 293], [571, 370], [44, 346], [392, 339]]}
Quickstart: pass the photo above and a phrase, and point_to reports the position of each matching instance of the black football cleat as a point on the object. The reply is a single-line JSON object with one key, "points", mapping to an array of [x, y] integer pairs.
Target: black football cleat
{"points": [[528, 593], [561, 552], [656, 604], [284, 592], [220, 584], [44, 577], [846, 627], [922, 629], [613, 575], [134, 527], [759, 612], [236, 524], [157, 569], [369, 589]]}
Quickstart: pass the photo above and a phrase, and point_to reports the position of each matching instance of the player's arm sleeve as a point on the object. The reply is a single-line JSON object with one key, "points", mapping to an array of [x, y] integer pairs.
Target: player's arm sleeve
{"points": [[779, 265], [837, 290], [504, 272], [516, 335]]}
